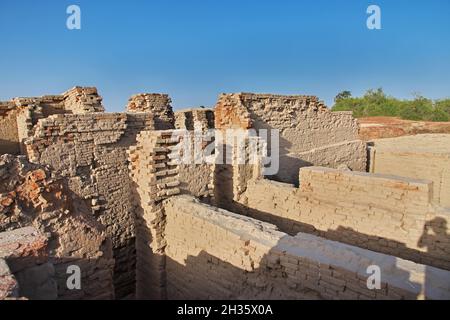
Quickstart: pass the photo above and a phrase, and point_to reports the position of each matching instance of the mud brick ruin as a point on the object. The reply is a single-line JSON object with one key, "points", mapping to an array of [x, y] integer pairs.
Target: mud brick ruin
{"points": [[103, 191]]}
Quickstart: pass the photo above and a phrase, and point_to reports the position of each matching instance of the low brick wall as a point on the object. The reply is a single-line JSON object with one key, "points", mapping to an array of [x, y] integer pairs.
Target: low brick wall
{"points": [[425, 156], [215, 254], [388, 214]]}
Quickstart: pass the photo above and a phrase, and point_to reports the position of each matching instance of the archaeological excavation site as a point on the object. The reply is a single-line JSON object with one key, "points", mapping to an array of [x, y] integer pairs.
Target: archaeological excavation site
{"points": [[199, 204]]}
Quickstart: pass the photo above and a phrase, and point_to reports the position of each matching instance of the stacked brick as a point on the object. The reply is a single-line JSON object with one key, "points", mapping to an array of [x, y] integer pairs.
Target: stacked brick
{"points": [[19, 116], [230, 113], [32, 195], [156, 104], [72, 135], [9, 288], [90, 150], [194, 119], [9, 135], [307, 130], [240, 161], [424, 156], [81, 100], [5, 108], [158, 171], [215, 254], [154, 170], [386, 214]]}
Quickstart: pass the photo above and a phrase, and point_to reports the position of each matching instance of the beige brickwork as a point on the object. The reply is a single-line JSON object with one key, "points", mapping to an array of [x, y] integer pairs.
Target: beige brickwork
{"points": [[156, 104], [90, 150], [32, 195], [215, 254], [383, 213], [424, 156], [310, 134], [194, 119]]}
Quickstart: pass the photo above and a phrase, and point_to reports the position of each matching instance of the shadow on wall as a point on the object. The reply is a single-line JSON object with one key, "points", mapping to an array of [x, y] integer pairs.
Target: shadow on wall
{"points": [[434, 233], [277, 277], [38, 198], [206, 277], [150, 265], [9, 147], [62, 278], [288, 166]]}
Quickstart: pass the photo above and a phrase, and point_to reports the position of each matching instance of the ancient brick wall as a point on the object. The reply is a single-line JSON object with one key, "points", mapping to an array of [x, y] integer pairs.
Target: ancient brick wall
{"points": [[81, 100], [158, 174], [215, 254], [9, 135], [91, 151], [32, 195], [157, 104], [387, 214], [19, 116], [422, 156], [237, 164], [307, 129], [194, 119]]}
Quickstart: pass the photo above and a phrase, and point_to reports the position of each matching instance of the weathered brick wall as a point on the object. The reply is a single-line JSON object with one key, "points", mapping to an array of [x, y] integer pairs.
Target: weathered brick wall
{"points": [[32, 195], [194, 119], [215, 254], [157, 174], [155, 178], [310, 134], [5, 108], [387, 214], [422, 156], [81, 100], [237, 164], [91, 151], [19, 116], [157, 104], [9, 135]]}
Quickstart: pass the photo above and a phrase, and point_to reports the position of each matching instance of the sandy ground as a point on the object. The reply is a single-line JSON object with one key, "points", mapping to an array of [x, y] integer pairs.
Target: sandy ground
{"points": [[389, 127]]}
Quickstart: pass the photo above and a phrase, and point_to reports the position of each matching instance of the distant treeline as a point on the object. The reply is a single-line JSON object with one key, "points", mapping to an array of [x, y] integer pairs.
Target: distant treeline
{"points": [[377, 103]]}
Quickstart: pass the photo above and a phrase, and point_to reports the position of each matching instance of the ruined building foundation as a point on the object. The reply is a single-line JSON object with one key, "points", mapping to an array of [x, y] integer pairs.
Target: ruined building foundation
{"points": [[107, 193]]}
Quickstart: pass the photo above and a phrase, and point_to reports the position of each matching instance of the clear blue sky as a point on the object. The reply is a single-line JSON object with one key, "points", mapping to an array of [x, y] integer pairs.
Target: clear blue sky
{"points": [[196, 49]]}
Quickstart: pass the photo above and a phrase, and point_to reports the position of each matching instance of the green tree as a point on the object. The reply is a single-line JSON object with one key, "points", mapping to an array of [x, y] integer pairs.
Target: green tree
{"points": [[376, 103], [343, 95]]}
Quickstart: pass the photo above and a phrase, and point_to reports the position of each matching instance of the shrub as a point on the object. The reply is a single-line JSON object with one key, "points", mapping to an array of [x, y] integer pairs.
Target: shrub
{"points": [[377, 103]]}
